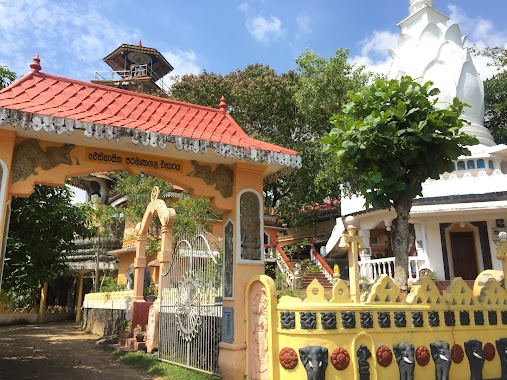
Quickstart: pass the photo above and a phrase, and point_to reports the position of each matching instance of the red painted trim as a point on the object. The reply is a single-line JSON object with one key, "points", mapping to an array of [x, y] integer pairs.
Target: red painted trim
{"points": [[285, 257], [322, 261]]}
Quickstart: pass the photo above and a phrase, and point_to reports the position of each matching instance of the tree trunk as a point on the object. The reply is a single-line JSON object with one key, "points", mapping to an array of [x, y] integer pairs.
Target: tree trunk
{"points": [[401, 239]]}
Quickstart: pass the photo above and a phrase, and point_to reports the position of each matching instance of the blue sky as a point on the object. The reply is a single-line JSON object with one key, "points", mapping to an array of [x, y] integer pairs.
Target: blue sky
{"points": [[72, 36]]}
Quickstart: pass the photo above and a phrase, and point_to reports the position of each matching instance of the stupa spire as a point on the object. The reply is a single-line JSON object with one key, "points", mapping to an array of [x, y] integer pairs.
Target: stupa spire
{"points": [[417, 5]]}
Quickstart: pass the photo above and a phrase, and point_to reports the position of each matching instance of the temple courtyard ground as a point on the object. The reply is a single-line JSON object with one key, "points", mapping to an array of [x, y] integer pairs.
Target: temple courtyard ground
{"points": [[58, 351]]}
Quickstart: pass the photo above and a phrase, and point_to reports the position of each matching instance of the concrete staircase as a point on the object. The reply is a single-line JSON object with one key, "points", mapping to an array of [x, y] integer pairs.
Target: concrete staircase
{"points": [[309, 277]]}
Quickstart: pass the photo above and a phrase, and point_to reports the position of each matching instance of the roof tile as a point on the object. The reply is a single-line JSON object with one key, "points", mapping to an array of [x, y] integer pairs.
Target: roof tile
{"points": [[47, 94]]}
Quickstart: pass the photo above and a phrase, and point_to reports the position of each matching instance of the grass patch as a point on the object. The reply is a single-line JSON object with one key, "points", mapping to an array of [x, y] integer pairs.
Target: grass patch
{"points": [[156, 367]]}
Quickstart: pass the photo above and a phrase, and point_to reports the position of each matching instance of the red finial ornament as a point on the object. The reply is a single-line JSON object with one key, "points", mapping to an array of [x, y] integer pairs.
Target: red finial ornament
{"points": [[222, 106], [35, 65], [140, 44]]}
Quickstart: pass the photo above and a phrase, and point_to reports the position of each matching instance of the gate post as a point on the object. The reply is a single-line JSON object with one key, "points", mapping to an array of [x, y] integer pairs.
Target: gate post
{"points": [[139, 266], [7, 140], [247, 261]]}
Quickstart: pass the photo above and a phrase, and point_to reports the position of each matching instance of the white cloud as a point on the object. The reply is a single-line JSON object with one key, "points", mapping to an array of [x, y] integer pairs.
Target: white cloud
{"points": [[184, 62], [263, 29], [304, 24], [69, 36], [244, 7], [375, 51], [481, 33]]}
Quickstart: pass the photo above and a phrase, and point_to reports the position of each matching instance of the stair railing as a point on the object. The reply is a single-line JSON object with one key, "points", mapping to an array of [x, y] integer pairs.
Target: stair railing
{"points": [[285, 265], [319, 261]]}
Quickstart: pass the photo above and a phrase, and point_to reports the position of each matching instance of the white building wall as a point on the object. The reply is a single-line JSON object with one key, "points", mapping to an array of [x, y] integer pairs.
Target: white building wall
{"points": [[434, 249]]}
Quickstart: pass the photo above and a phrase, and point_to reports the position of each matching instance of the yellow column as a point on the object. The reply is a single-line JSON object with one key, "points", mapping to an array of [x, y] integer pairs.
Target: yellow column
{"points": [[43, 301], [353, 242], [139, 265], [7, 141], [79, 297], [501, 253], [232, 356]]}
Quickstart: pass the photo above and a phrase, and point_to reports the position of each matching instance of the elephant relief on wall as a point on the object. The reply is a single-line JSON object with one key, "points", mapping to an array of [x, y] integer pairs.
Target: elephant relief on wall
{"points": [[475, 355], [314, 359], [442, 358], [501, 348], [404, 354]]}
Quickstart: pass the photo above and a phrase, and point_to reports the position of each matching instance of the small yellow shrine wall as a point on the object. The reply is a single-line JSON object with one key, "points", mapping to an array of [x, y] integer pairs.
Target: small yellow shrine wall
{"points": [[384, 296]]}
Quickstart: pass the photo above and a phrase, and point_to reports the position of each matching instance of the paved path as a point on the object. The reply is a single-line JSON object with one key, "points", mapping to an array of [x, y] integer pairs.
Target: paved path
{"points": [[57, 351]]}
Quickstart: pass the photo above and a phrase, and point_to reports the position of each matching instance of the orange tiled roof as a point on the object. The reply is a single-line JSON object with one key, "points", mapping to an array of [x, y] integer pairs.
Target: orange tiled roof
{"points": [[50, 95]]}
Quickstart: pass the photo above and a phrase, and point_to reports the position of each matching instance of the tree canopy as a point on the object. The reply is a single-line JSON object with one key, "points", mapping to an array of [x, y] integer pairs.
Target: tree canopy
{"points": [[285, 109], [192, 214], [41, 233], [390, 138], [495, 96], [6, 77]]}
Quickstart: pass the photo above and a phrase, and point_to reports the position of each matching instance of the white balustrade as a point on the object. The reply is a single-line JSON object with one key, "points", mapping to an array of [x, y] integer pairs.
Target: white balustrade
{"points": [[371, 269], [269, 253], [282, 265]]}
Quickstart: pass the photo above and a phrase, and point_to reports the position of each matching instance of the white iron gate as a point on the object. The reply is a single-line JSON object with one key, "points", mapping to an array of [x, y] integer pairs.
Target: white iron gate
{"points": [[191, 306]]}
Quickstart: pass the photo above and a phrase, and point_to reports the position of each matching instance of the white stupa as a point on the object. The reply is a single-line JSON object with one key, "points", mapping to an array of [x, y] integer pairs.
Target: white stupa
{"points": [[431, 50], [459, 216]]}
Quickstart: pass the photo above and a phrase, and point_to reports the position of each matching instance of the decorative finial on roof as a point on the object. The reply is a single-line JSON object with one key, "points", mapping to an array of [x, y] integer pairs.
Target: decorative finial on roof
{"points": [[35, 65], [140, 44], [222, 106], [417, 5]]}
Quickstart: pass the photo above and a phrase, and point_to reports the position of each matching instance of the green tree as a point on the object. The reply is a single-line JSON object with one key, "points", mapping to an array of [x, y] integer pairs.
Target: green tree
{"points": [[192, 214], [41, 233], [282, 109], [495, 95], [323, 86], [390, 138], [137, 189], [6, 77]]}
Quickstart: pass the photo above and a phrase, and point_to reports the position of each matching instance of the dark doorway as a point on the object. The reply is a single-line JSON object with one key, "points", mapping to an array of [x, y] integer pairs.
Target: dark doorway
{"points": [[464, 257]]}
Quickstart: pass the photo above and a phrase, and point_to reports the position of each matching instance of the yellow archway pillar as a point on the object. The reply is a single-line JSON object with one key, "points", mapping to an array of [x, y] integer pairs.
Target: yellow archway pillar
{"points": [[139, 266], [233, 355], [79, 303], [43, 302], [7, 141]]}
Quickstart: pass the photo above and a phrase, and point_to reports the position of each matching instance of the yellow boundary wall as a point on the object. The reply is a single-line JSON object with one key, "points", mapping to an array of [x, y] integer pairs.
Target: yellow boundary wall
{"points": [[455, 318]]}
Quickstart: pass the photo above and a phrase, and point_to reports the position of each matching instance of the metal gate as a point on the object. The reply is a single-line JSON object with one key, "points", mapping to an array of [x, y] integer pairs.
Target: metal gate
{"points": [[191, 306]]}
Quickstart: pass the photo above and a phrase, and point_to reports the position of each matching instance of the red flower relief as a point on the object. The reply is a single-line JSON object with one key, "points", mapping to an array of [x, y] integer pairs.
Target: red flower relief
{"points": [[422, 355], [340, 358], [384, 356], [288, 358], [489, 351], [457, 353]]}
